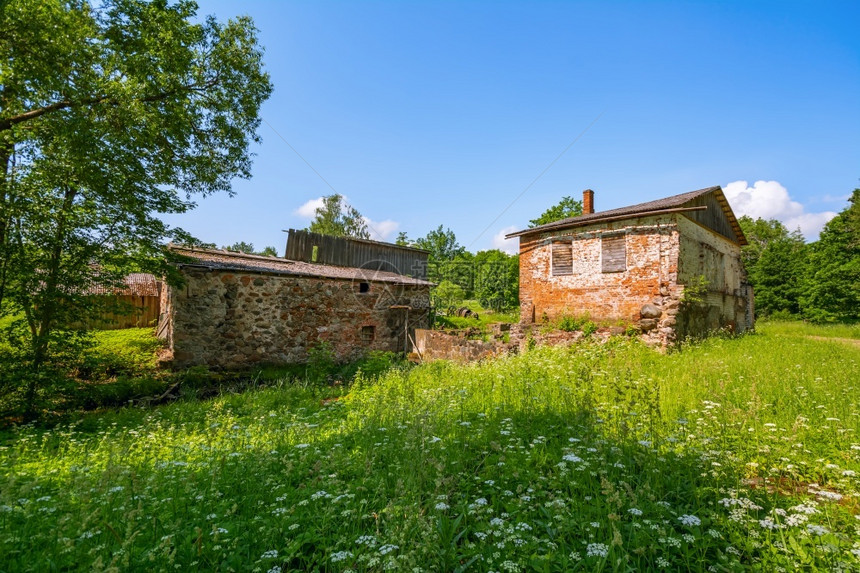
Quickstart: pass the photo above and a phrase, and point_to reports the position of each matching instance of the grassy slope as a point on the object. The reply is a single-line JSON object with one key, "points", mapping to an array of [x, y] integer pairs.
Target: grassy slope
{"points": [[599, 457]]}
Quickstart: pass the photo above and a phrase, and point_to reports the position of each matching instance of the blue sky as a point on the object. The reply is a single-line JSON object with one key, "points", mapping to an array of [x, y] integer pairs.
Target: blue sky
{"points": [[429, 113]]}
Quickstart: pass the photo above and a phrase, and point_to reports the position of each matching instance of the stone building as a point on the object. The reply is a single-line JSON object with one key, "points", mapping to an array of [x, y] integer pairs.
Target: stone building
{"points": [[633, 265], [238, 309]]}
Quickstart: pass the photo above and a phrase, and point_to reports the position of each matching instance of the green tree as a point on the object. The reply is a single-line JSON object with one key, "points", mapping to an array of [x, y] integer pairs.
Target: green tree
{"points": [[243, 247], [833, 282], [337, 218], [497, 279], [442, 244], [447, 294], [448, 260], [402, 239], [775, 261], [240, 247], [565, 209], [109, 116]]}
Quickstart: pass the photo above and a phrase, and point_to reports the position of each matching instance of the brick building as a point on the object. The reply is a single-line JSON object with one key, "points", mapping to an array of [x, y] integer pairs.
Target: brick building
{"points": [[238, 309], [633, 264]]}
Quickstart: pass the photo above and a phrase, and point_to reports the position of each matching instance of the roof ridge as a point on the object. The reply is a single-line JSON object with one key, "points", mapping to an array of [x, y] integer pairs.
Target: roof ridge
{"points": [[236, 254], [654, 205]]}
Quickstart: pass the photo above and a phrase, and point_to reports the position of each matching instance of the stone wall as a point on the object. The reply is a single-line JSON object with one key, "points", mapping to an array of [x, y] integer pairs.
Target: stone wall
{"points": [[232, 320], [440, 345], [727, 301]]}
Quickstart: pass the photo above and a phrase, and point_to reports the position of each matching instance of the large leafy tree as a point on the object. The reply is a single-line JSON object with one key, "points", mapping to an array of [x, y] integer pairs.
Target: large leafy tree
{"points": [[336, 217], [564, 209], [833, 283], [442, 244], [775, 261], [110, 114]]}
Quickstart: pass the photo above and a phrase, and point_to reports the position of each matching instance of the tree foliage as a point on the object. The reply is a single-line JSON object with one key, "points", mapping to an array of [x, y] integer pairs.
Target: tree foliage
{"points": [[442, 244], [109, 116], [335, 217], [497, 279], [564, 209], [818, 281], [833, 284], [447, 294], [243, 247], [775, 260]]}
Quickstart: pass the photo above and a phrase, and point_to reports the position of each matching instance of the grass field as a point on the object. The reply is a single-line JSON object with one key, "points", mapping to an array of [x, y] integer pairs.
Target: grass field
{"points": [[733, 454], [485, 318]]}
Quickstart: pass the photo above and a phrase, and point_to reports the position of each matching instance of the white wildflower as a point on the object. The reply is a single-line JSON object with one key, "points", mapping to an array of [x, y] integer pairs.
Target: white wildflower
{"points": [[690, 520], [340, 556]]}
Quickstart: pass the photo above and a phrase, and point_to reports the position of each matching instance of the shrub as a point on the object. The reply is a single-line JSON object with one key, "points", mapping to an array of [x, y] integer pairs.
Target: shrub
{"points": [[321, 363], [589, 328], [570, 323]]}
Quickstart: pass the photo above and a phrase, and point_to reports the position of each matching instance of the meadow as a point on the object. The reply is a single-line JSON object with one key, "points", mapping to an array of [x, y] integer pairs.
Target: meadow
{"points": [[731, 454]]}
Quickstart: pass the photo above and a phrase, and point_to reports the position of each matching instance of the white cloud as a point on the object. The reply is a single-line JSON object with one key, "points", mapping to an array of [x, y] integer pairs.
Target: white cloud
{"points": [[770, 200], [382, 230], [309, 209], [510, 246]]}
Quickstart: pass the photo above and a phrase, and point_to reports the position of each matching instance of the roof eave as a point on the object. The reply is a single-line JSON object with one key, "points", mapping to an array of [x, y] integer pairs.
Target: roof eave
{"points": [[586, 222]]}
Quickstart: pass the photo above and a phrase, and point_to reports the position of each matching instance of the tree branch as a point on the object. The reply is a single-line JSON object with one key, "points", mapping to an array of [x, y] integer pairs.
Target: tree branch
{"points": [[9, 122]]}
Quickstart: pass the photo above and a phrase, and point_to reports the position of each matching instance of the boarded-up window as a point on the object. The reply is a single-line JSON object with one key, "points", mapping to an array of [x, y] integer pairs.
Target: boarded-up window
{"points": [[614, 254], [562, 258]]}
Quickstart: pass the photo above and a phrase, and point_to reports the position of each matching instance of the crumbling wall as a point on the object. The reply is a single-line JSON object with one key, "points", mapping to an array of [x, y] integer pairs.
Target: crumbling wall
{"points": [[231, 320], [711, 268], [663, 255], [441, 345], [650, 276]]}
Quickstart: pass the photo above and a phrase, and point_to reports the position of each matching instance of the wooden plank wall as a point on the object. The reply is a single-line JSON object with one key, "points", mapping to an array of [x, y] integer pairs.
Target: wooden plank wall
{"points": [[713, 217], [147, 309], [346, 252]]}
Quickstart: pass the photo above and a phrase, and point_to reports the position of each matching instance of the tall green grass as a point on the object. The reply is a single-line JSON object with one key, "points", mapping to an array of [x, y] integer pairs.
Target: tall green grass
{"points": [[730, 455]]}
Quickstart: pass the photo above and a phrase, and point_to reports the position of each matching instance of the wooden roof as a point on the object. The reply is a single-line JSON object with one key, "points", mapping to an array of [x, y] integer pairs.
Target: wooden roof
{"points": [[216, 259], [708, 207]]}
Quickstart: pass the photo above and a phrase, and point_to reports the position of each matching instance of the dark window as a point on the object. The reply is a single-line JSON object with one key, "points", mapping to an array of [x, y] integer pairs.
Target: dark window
{"points": [[367, 333], [614, 254], [562, 258], [363, 287]]}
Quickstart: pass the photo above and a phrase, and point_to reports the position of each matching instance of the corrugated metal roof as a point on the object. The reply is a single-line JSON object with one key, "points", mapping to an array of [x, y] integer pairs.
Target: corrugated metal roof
{"points": [[649, 207], [217, 259], [136, 284]]}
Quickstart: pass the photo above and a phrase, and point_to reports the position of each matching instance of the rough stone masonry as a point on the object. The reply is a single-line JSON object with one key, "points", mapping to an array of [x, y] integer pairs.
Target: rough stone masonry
{"points": [[229, 317]]}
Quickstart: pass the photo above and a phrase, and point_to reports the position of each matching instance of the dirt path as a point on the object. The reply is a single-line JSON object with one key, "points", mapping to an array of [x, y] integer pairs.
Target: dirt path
{"points": [[851, 341]]}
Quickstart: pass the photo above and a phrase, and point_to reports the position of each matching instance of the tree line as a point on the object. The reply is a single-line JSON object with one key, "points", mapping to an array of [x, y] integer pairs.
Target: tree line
{"points": [[818, 281]]}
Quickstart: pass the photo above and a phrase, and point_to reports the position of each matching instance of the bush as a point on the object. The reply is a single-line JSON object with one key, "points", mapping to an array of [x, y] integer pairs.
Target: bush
{"points": [[589, 328], [570, 323], [376, 363], [321, 363]]}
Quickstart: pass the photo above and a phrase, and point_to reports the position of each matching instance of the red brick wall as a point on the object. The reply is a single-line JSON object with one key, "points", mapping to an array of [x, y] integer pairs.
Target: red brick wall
{"points": [[652, 255]]}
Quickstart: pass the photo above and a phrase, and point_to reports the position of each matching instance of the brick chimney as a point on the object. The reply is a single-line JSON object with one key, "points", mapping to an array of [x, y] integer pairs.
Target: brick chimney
{"points": [[587, 202]]}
